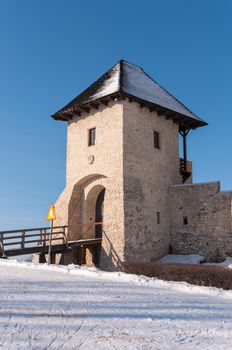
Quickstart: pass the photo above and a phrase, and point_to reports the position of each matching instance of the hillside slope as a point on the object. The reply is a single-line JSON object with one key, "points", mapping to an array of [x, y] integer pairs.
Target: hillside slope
{"points": [[71, 308]]}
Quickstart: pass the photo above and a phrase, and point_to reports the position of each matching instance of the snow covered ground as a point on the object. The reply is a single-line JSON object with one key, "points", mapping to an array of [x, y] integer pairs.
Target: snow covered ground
{"points": [[182, 259], [77, 308], [193, 259]]}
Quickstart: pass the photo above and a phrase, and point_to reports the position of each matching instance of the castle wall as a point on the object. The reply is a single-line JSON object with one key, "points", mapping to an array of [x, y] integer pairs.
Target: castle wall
{"points": [[92, 166], [147, 172], [208, 211], [140, 180]]}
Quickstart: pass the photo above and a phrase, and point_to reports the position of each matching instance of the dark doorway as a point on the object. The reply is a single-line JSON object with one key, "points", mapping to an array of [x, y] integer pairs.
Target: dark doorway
{"points": [[99, 212]]}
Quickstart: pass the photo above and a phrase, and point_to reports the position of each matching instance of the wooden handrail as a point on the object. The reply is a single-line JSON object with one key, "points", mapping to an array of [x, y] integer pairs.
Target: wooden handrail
{"points": [[32, 229], [27, 239], [23, 239]]}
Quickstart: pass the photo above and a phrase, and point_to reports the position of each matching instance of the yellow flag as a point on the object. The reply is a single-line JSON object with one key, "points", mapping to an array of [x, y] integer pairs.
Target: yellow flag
{"points": [[51, 213]]}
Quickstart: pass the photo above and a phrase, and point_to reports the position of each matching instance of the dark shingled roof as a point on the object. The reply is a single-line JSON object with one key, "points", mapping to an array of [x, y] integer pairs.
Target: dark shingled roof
{"points": [[126, 79]]}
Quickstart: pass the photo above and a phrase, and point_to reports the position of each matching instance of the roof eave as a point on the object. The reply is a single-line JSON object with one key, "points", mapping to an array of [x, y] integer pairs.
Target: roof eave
{"points": [[79, 108], [184, 121], [179, 118]]}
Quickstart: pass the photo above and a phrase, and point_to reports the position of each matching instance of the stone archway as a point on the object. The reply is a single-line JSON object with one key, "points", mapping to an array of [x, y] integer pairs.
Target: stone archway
{"points": [[77, 209]]}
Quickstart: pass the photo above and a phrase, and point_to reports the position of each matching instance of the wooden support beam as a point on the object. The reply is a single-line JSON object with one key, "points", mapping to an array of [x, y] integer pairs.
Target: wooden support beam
{"points": [[85, 108], [184, 133], [117, 97], [66, 119], [104, 102], [160, 111], [94, 104], [177, 119], [171, 115], [71, 113], [121, 96], [113, 97], [77, 111], [65, 116]]}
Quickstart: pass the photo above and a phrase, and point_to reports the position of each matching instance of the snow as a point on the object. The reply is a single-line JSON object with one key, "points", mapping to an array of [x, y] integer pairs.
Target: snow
{"points": [[226, 263], [110, 85], [134, 81], [51, 307], [182, 259], [193, 259], [137, 83]]}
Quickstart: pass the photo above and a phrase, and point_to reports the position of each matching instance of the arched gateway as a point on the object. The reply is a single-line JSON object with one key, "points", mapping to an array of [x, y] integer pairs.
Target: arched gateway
{"points": [[85, 217]]}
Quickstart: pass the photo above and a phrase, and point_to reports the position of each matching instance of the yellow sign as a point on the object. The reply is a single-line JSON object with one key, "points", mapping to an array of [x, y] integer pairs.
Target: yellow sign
{"points": [[51, 213]]}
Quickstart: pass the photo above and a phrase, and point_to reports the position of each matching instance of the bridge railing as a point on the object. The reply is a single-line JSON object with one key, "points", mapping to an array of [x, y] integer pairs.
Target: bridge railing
{"points": [[26, 238]]}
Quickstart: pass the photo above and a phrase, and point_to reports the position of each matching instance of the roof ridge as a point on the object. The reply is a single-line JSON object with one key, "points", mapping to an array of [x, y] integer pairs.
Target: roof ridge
{"points": [[133, 64], [121, 75]]}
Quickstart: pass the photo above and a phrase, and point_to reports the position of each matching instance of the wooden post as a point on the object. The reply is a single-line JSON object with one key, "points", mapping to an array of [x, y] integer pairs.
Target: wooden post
{"points": [[2, 245], [40, 242], [50, 243], [65, 236], [23, 240], [184, 134], [44, 237]]}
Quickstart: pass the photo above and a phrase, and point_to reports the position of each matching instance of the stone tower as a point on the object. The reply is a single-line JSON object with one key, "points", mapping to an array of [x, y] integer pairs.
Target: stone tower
{"points": [[122, 157]]}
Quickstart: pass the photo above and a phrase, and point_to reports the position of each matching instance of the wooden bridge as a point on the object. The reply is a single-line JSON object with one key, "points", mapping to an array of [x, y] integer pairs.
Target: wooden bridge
{"points": [[36, 240]]}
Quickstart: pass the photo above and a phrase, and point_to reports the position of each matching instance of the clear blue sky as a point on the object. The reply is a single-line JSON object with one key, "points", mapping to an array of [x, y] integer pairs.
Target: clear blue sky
{"points": [[52, 49]]}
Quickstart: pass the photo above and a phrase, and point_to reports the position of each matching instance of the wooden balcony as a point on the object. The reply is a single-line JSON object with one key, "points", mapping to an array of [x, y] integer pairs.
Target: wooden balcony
{"points": [[186, 171]]}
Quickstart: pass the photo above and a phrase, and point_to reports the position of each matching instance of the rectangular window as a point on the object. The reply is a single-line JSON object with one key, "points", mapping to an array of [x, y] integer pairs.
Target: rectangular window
{"points": [[92, 137], [156, 140], [158, 217], [185, 220]]}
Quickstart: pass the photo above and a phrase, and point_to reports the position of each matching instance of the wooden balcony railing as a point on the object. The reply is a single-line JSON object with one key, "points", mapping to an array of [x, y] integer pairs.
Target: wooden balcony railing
{"points": [[185, 170]]}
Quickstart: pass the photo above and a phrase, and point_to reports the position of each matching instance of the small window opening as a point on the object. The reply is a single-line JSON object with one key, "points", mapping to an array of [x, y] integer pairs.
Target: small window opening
{"points": [[92, 137], [185, 220], [156, 140], [158, 217]]}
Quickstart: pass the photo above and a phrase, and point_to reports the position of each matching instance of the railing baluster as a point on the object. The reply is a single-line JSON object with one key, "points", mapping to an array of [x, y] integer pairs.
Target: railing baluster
{"points": [[40, 237], [45, 237], [2, 244], [23, 240]]}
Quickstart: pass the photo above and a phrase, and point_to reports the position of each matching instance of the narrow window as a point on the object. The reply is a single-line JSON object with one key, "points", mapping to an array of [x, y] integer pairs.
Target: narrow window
{"points": [[185, 220], [158, 217], [92, 137], [156, 139]]}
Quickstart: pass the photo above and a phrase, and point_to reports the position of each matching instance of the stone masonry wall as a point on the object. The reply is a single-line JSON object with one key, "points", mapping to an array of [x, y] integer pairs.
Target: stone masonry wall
{"points": [[94, 167], [147, 172], [208, 213]]}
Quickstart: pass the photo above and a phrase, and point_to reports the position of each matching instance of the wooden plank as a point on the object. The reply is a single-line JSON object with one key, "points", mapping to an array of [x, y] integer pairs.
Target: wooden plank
{"points": [[29, 235], [13, 243], [85, 242], [12, 237], [38, 249]]}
